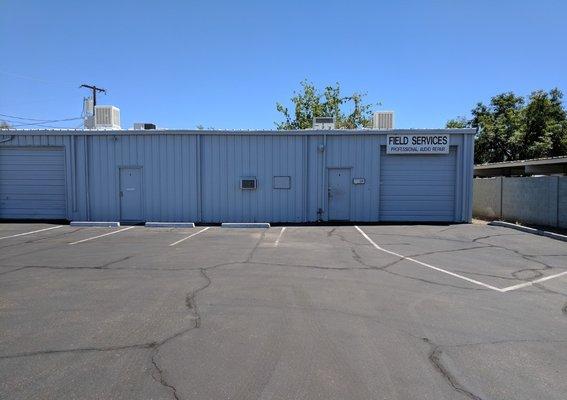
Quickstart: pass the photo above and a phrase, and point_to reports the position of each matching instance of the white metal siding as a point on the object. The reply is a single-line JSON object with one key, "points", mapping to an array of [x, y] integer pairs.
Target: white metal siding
{"points": [[418, 187], [194, 175], [32, 183]]}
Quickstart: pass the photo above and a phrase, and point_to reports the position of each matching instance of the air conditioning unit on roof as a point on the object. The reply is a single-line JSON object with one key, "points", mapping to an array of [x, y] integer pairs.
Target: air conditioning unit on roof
{"points": [[107, 117], [383, 120], [323, 123]]}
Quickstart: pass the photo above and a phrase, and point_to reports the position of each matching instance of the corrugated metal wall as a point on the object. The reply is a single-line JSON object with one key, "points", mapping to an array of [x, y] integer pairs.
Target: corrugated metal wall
{"points": [[195, 176]]}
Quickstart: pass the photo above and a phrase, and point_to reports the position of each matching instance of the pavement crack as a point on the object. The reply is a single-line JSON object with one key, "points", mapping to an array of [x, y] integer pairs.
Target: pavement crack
{"points": [[160, 378], [191, 304], [253, 251], [448, 251], [108, 264], [148, 345], [494, 235], [304, 266], [435, 359]]}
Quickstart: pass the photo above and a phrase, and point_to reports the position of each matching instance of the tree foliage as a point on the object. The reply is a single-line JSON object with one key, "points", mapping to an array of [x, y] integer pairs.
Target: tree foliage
{"points": [[4, 125], [350, 112], [517, 128]]}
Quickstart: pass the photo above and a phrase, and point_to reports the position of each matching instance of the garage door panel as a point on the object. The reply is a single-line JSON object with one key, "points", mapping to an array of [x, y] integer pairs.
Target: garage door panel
{"points": [[32, 183], [35, 175], [417, 187], [31, 167]]}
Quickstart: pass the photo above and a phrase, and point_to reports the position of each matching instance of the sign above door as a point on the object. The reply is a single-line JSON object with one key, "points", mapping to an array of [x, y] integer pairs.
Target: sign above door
{"points": [[417, 144]]}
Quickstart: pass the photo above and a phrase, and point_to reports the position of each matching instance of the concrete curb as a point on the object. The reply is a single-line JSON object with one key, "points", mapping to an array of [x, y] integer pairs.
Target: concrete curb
{"points": [[526, 229], [245, 225], [170, 224], [110, 224]]}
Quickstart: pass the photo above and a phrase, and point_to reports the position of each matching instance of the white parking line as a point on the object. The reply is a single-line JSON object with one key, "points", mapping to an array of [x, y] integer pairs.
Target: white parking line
{"points": [[523, 285], [503, 290], [29, 233], [106, 234], [190, 236], [427, 265], [277, 242]]}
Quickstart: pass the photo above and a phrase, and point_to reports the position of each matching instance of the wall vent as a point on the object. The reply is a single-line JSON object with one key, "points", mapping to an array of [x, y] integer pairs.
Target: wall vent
{"points": [[248, 183]]}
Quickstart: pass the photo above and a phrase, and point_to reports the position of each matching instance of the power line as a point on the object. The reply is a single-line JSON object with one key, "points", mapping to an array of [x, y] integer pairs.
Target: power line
{"points": [[42, 122], [24, 118]]}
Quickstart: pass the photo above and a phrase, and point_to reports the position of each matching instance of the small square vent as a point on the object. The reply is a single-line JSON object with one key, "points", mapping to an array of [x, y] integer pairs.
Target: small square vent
{"points": [[248, 183]]}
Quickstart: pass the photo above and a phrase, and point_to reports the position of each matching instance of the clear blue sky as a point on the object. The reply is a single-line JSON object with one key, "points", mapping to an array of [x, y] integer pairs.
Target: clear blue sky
{"points": [[226, 63]]}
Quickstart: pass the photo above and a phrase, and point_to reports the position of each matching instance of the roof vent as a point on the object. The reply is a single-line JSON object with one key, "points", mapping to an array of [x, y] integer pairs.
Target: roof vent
{"points": [[143, 126], [323, 123]]}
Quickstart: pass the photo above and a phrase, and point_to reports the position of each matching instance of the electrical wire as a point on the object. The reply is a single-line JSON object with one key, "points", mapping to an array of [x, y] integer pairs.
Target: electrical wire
{"points": [[43, 122], [24, 118]]}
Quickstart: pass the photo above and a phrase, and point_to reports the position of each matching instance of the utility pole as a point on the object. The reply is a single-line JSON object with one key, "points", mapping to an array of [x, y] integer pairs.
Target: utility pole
{"points": [[94, 89]]}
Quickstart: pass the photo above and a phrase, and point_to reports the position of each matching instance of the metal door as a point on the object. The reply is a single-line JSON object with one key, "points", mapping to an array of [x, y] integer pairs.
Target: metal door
{"points": [[32, 183], [418, 187], [131, 194], [339, 194]]}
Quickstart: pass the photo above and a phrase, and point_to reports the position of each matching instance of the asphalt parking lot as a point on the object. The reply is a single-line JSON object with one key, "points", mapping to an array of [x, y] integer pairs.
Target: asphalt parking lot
{"points": [[368, 312]]}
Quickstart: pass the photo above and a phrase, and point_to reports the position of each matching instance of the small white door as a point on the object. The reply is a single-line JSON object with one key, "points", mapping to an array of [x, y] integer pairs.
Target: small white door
{"points": [[131, 194], [339, 194]]}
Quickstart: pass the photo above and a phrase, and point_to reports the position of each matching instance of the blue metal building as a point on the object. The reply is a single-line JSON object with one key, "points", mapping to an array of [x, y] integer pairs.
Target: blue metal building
{"points": [[228, 176]]}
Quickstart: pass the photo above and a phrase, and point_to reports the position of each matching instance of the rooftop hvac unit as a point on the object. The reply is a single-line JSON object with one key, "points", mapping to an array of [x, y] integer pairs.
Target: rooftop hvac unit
{"points": [[142, 126], [383, 120], [323, 123], [107, 117]]}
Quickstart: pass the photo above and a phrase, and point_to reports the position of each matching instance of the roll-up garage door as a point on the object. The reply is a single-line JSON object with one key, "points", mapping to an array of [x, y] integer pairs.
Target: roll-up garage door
{"points": [[32, 183], [417, 187]]}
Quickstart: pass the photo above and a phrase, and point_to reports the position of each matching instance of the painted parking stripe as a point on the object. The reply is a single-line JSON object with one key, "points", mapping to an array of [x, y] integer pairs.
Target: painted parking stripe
{"points": [[32, 232], [428, 265], [99, 236], [277, 242], [190, 236], [523, 285], [503, 290]]}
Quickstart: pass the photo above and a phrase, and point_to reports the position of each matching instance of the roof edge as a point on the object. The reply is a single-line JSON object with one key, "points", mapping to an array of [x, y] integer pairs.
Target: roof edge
{"points": [[306, 132]]}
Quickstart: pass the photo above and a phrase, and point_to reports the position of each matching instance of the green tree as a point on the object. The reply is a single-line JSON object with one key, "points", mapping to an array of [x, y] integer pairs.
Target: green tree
{"points": [[458, 123], [546, 126], [510, 129], [310, 102]]}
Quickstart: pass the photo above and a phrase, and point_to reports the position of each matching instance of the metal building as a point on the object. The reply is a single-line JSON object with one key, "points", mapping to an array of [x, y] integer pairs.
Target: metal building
{"points": [[227, 176]]}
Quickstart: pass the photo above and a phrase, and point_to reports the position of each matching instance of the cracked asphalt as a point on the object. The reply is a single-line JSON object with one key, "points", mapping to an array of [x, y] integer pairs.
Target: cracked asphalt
{"points": [[301, 313]]}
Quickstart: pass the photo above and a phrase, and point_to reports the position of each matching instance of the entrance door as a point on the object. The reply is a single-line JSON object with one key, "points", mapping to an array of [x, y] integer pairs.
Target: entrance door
{"points": [[339, 194], [131, 194]]}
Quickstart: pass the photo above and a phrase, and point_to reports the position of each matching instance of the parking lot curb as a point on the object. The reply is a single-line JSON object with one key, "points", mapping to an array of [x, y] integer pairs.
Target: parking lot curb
{"points": [[109, 224], [527, 229], [170, 224], [245, 225]]}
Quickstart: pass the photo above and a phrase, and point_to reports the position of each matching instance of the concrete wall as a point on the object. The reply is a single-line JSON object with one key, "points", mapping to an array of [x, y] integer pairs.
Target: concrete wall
{"points": [[530, 200], [487, 198]]}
